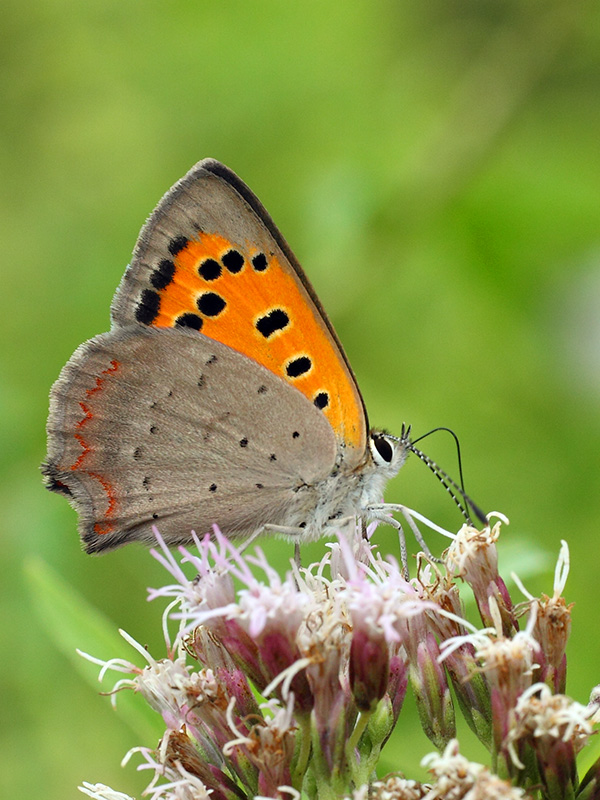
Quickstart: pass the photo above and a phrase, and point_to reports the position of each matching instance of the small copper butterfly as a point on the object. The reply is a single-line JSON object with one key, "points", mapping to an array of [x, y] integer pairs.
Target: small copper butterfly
{"points": [[221, 394]]}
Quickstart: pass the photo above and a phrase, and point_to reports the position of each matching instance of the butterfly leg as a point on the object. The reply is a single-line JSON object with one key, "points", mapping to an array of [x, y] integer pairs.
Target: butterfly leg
{"points": [[252, 538], [286, 530], [363, 528], [381, 512], [387, 520]]}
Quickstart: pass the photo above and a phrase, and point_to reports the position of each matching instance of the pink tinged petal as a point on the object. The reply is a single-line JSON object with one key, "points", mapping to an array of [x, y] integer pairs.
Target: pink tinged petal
{"points": [[278, 654], [558, 770], [473, 556], [236, 686], [397, 684], [269, 780], [472, 691], [369, 668], [257, 621], [331, 705], [434, 701], [243, 650], [552, 628], [501, 718], [178, 749], [559, 681]]}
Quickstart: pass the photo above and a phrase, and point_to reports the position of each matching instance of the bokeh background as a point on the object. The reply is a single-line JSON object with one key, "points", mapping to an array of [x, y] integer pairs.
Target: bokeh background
{"points": [[436, 167]]}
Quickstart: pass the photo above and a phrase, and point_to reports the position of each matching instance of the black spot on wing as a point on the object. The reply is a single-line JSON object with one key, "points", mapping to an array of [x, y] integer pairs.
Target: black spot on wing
{"points": [[321, 400], [210, 269], [259, 262], [275, 320], [177, 244], [211, 304], [233, 261], [148, 307], [163, 274], [298, 366], [192, 321]]}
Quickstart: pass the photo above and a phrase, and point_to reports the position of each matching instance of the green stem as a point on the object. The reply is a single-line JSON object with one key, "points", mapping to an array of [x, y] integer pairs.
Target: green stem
{"points": [[320, 769], [301, 765], [352, 746]]}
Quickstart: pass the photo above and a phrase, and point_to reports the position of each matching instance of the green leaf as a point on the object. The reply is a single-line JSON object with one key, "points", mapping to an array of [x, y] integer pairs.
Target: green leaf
{"points": [[73, 624]]}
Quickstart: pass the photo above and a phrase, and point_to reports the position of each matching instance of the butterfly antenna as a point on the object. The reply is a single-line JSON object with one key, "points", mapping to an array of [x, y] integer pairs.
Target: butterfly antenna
{"points": [[456, 492]]}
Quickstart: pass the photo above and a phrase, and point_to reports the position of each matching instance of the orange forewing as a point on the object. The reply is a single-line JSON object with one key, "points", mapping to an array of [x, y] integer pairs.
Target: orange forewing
{"points": [[249, 295]]}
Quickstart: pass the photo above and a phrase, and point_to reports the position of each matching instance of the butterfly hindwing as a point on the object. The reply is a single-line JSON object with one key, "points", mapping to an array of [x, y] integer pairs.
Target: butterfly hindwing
{"points": [[168, 427], [210, 259]]}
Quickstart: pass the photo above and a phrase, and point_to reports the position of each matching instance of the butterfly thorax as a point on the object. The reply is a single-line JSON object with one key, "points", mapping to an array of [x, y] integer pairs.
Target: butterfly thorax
{"points": [[324, 507]]}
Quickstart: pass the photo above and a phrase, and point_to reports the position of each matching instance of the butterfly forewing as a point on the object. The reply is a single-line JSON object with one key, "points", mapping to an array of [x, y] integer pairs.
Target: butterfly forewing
{"points": [[168, 427], [210, 259]]}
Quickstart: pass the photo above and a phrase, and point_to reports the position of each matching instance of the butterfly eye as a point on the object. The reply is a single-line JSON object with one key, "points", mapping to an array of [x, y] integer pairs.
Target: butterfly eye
{"points": [[382, 450]]}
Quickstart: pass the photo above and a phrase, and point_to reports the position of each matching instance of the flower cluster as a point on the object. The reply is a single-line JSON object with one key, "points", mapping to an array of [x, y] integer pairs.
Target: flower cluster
{"points": [[289, 687]]}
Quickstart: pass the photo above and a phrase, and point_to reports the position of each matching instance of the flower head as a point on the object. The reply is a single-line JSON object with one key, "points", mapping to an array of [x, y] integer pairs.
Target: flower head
{"points": [[291, 684]]}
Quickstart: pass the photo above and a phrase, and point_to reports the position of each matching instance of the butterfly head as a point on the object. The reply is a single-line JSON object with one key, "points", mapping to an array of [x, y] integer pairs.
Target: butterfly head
{"points": [[388, 452]]}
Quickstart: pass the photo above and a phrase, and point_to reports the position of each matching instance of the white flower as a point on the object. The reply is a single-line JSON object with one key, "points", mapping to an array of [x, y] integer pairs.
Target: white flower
{"points": [[101, 792]]}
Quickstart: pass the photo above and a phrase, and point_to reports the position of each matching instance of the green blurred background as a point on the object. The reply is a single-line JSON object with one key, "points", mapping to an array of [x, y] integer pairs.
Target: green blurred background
{"points": [[435, 166]]}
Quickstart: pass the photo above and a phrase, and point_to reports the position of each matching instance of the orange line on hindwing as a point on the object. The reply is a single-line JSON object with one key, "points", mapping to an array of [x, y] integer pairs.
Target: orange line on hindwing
{"points": [[87, 449]]}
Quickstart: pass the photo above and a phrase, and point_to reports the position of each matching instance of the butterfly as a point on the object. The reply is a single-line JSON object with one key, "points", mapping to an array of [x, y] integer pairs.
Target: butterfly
{"points": [[221, 394]]}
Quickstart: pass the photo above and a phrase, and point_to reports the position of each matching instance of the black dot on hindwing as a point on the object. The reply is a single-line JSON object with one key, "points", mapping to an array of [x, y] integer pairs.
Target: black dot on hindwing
{"points": [[321, 400], [233, 261], [298, 366], [259, 262], [163, 274], [148, 307], [272, 457], [211, 360], [259, 485], [210, 269], [153, 429], [295, 435], [211, 304], [212, 487], [146, 482], [244, 442], [177, 244], [262, 389], [275, 320], [155, 516], [192, 321], [137, 453]]}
